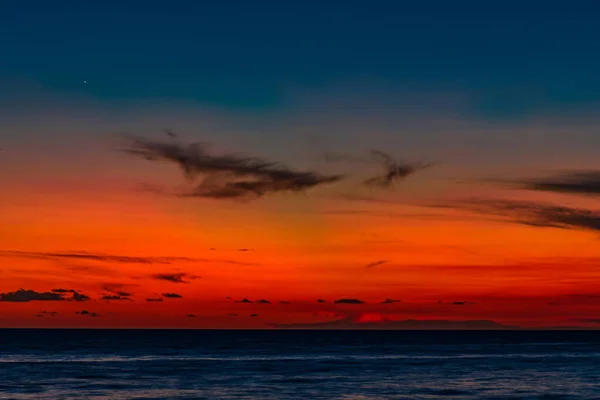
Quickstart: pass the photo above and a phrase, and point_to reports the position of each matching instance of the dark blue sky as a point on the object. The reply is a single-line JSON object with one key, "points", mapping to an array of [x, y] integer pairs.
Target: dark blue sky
{"points": [[517, 59]]}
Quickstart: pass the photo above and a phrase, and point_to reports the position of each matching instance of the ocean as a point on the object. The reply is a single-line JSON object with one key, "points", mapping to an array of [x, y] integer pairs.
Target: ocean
{"points": [[209, 364]]}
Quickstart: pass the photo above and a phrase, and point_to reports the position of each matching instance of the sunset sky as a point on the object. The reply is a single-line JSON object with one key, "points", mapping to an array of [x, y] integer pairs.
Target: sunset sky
{"points": [[501, 105]]}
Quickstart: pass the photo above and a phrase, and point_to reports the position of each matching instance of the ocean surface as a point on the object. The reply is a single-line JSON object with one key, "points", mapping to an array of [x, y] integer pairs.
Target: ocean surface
{"points": [[155, 364]]}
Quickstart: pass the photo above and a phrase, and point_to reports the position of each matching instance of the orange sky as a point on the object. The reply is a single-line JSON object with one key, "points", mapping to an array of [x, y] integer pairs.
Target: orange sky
{"points": [[83, 198]]}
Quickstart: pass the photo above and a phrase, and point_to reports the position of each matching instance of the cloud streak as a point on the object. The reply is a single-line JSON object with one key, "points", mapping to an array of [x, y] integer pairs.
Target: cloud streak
{"points": [[155, 299], [175, 277], [376, 263], [575, 182], [110, 258], [533, 213], [115, 297]]}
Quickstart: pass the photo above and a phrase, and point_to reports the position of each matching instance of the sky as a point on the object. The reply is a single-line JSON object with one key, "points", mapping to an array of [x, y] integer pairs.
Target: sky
{"points": [[277, 165]]}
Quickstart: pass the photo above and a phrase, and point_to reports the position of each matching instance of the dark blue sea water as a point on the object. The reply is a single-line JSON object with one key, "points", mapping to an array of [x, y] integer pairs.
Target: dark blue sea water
{"points": [[153, 364]]}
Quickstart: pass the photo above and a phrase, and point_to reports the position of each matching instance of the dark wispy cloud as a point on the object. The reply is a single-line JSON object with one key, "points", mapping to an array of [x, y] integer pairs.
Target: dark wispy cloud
{"points": [[96, 257], [533, 213], [191, 316], [393, 170], [244, 300], [24, 295], [253, 315], [172, 295], [106, 270], [154, 299], [575, 182], [348, 301], [180, 277], [339, 157], [321, 301], [64, 291], [114, 297], [226, 175], [376, 263], [262, 301], [284, 302], [390, 301], [111, 258], [117, 289]]}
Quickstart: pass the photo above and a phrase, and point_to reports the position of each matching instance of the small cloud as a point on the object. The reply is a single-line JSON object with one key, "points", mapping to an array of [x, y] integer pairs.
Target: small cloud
{"points": [[457, 303], [262, 301], [390, 301], [88, 313], [245, 249], [348, 301], [172, 295], [253, 315], [154, 299], [321, 301], [79, 297], [376, 264], [191, 316], [284, 302], [244, 300], [175, 277]]}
